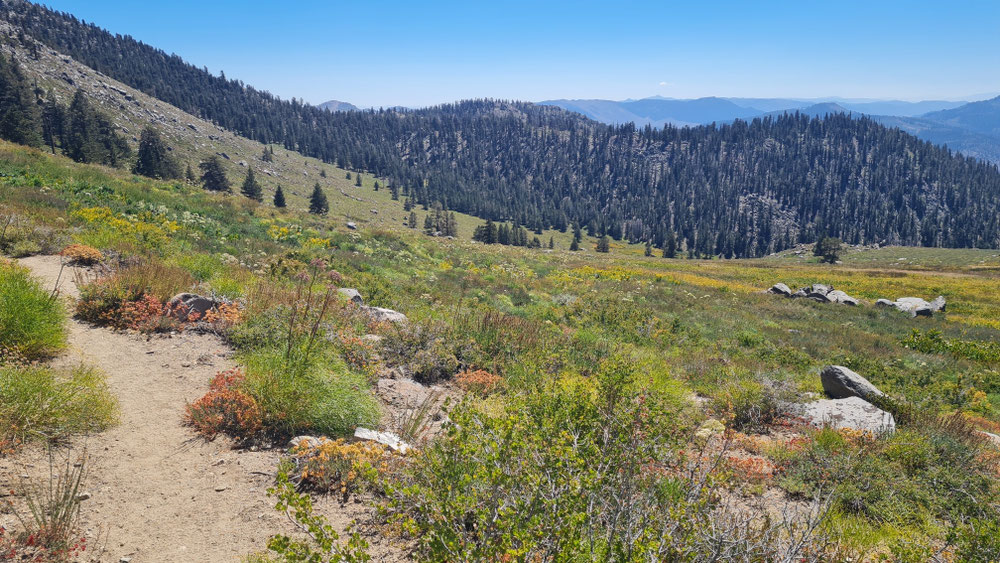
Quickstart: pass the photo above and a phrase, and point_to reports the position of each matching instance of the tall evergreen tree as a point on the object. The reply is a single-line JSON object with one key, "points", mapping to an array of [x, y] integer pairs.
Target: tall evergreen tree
{"points": [[412, 221], [318, 204], [213, 176], [279, 197], [153, 159], [20, 118], [603, 244], [251, 188]]}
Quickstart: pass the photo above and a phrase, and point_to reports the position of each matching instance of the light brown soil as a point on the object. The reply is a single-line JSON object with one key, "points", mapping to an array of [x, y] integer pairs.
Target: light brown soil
{"points": [[160, 493]]}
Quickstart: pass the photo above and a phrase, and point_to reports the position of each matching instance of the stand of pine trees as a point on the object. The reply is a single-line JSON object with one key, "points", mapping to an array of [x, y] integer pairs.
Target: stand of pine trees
{"points": [[736, 190]]}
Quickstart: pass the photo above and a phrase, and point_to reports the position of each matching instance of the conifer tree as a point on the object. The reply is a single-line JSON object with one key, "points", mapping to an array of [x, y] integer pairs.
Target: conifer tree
{"points": [[279, 197], [268, 155], [649, 249], [322, 172], [376, 185], [670, 246], [154, 160], [251, 188], [20, 118], [348, 175], [318, 204], [603, 244], [190, 175], [213, 176], [575, 245], [412, 221], [357, 180], [551, 243]]}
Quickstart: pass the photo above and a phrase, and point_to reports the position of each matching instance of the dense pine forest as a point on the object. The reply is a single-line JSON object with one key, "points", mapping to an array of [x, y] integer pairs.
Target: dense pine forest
{"points": [[735, 190]]}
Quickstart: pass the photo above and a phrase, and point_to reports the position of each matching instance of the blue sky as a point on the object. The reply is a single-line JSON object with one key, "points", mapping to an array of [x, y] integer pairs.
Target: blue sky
{"points": [[381, 53]]}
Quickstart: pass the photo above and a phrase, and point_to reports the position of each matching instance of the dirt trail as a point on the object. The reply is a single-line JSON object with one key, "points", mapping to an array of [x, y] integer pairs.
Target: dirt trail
{"points": [[158, 492]]}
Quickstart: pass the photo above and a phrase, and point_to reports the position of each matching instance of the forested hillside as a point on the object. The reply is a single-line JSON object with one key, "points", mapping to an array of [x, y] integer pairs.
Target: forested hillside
{"points": [[745, 189]]}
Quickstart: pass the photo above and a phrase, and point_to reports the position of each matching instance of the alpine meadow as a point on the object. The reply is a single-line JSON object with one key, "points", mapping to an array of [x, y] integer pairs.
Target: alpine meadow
{"points": [[240, 326]]}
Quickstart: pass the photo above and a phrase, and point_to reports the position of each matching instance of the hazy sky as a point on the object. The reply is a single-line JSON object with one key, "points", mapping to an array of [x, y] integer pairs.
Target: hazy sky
{"points": [[381, 53]]}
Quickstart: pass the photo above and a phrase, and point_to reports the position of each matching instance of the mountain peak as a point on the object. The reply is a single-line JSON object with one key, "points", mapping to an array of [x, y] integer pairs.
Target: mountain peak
{"points": [[337, 105]]}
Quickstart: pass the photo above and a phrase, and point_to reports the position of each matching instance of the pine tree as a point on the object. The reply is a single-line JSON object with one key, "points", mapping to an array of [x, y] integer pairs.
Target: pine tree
{"points": [[428, 225], [649, 249], [603, 244], [154, 160], [20, 118], [551, 243], [322, 172], [268, 155], [577, 233], [670, 247], [318, 204], [376, 185], [452, 225], [575, 245], [279, 197], [213, 177], [357, 180], [190, 175], [53, 122], [348, 176], [251, 188], [412, 221]]}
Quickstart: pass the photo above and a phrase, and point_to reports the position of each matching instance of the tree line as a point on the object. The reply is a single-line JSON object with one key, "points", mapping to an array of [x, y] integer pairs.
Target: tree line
{"points": [[734, 190]]}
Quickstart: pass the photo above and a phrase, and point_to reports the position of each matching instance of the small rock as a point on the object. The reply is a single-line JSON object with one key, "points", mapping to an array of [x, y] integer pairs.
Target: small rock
{"points": [[384, 438], [379, 314], [83, 496], [352, 225], [305, 441], [352, 295], [840, 383], [183, 305], [220, 488]]}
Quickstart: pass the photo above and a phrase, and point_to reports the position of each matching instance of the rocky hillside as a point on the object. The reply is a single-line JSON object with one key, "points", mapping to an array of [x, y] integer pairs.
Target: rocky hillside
{"points": [[189, 138]]}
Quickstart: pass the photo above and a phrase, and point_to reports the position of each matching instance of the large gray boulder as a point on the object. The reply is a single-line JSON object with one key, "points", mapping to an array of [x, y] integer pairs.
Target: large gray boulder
{"points": [[852, 412], [352, 295], [189, 306], [820, 289], [838, 296], [380, 315], [840, 383], [915, 306], [780, 289]]}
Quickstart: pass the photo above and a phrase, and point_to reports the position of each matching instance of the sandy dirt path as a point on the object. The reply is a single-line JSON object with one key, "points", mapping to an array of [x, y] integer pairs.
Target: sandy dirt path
{"points": [[159, 493]]}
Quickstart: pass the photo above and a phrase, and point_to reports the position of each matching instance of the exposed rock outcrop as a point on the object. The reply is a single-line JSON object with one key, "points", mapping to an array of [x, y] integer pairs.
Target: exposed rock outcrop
{"points": [[915, 306], [852, 412]]}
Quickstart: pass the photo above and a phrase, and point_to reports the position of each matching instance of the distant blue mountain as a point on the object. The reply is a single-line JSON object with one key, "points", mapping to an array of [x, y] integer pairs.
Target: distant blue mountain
{"points": [[970, 128]]}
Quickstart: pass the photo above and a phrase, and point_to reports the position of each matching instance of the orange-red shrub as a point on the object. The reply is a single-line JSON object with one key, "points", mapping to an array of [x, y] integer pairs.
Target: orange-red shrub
{"points": [[82, 254], [226, 408], [480, 382]]}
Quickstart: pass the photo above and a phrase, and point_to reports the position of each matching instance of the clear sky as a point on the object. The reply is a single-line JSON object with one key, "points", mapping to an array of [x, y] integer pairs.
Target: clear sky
{"points": [[382, 53]]}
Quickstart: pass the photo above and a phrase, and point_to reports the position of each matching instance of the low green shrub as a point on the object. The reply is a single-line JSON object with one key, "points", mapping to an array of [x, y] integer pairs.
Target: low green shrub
{"points": [[32, 320], [40, 403], [749, 405], [109, 300], [587, 470], [319, 396]]}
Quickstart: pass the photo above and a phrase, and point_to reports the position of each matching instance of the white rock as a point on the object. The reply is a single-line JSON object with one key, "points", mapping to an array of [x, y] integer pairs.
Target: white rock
{"points": [[385, 438]]}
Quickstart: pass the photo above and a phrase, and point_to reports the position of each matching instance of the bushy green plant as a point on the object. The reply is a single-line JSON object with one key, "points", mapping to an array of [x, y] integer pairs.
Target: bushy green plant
{"points": [[320, 396], [589, 470], [749, 405], [39, 403], [32, 320]]}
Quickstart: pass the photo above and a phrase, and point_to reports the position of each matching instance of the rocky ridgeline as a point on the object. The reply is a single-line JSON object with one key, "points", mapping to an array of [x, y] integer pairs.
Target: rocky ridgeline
{"points": [[914, 306]]}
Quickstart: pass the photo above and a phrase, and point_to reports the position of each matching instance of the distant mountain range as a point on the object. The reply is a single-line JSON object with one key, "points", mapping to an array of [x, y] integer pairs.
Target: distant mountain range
{"points": [[337, 105], [972, 128]]}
